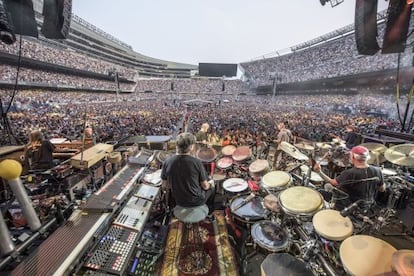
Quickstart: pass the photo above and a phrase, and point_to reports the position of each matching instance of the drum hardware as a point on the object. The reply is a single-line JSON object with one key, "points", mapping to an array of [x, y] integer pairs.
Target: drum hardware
{"points": [[402, 155]]}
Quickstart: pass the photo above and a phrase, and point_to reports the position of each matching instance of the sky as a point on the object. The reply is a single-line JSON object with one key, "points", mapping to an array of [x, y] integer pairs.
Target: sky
{"points": [[218, 31]]}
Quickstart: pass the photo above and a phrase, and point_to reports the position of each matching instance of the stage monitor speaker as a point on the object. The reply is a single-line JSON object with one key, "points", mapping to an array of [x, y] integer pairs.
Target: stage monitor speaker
{"points": [[398, 21], [22, 17], [366, 26], [57, 15]]}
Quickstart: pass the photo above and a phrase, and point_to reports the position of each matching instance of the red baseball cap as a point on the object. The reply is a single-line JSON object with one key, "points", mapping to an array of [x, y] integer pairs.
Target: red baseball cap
{"points": [[360, 153]]}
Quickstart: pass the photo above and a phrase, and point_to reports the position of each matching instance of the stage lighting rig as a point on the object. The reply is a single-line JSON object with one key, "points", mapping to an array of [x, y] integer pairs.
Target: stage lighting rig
{"points": [[334, 3]]}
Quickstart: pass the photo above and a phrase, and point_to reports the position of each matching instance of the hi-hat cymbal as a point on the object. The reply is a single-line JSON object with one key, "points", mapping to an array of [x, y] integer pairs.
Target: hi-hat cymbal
{"points": [[375, 147], [304, 146], [402, 155], [323, 145], [293, 151]]}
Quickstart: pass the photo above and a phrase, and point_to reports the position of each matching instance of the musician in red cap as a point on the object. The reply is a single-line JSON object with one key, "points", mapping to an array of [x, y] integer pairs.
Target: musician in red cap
{"points": [[362, 181]]}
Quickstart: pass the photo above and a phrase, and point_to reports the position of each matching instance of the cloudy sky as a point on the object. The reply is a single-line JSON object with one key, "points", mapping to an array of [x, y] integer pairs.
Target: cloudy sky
{"points": [[224, 31]]}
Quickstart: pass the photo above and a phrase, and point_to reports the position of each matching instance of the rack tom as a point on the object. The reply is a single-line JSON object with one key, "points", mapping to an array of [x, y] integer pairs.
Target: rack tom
{"points": [[330, 225], [300, 201], [275, 181], [228, 150], [242, 153], [270, 236], [259, 167]]}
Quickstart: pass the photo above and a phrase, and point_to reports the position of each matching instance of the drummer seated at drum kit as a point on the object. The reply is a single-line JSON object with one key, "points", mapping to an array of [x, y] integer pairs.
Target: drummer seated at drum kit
{"points": [[361, 183], [186, 176]]}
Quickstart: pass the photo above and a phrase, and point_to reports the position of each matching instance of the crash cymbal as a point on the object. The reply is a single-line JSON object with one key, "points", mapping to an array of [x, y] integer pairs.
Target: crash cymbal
{"points": [[375, 147], [323, 145], [293, 151], [304, 146], [402, 155]]}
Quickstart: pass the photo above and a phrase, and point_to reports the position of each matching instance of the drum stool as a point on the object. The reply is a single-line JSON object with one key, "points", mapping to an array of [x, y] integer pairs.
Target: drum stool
{"points": [[191, 242]]}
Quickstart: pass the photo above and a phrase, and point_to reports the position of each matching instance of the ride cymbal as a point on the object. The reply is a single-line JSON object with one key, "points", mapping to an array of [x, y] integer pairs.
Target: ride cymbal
{"points": [[402, 155], [293, 151], [375, 147]]}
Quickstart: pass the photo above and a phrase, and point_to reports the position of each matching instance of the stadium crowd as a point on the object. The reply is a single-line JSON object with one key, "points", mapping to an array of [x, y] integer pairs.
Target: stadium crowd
{"points": [[338, 57], [62, 115], [51, 53]]}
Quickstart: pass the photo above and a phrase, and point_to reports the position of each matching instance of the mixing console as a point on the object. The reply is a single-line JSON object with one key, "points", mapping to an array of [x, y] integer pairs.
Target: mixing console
{"points": [[113, 251]]}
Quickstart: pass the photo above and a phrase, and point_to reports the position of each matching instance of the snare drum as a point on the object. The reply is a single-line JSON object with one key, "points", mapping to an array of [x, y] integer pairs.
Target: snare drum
{"points": [[235, 185], [270, 236], [330, 225], [315, 178], [249, 212], [228, 150], [224, 163], [300, 201], [366, 255], [276, 180], [259, 168], [242, 154]]}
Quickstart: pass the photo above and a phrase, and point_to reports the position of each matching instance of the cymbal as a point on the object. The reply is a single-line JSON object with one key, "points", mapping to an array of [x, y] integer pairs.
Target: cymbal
{"points": [[375, 147], [304, 146], [375, 158], [323, 145], [293, 151], [402, 155]]}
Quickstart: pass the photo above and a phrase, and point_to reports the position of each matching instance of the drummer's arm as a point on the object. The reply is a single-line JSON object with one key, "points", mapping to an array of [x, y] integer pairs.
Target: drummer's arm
{"points": [[164, 185], [205, 185], [317, 168]]}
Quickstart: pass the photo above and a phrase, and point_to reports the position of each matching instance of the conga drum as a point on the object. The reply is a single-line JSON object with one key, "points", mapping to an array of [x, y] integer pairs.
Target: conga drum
{"points": [[228, 150], [366, 255], [259, 168], [330, 225], [301, 202], [403, 262], [275, 181]]}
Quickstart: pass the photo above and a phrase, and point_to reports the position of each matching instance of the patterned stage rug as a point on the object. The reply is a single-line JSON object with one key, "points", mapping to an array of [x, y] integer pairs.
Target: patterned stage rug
{"points": [[220, 259]]}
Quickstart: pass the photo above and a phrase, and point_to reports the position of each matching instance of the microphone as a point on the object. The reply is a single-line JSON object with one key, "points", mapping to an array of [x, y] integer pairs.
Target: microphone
{"points": [[350, 209]]}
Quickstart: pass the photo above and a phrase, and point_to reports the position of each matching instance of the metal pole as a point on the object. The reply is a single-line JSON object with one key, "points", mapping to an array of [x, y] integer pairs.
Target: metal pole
{"points": [[117, 85], [274, 89]]}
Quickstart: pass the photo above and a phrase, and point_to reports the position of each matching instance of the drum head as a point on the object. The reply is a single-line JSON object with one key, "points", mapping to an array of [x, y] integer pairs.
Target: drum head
{"points": [[235, 185], [276, 179], [300, 200], [366, 255], [314, 178], [270, 236], [403, 262], [283, 264], [259, 166], [242, 153], [332, 226], [251, 211], [206, 155], [224, 163], [228, 150]]}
